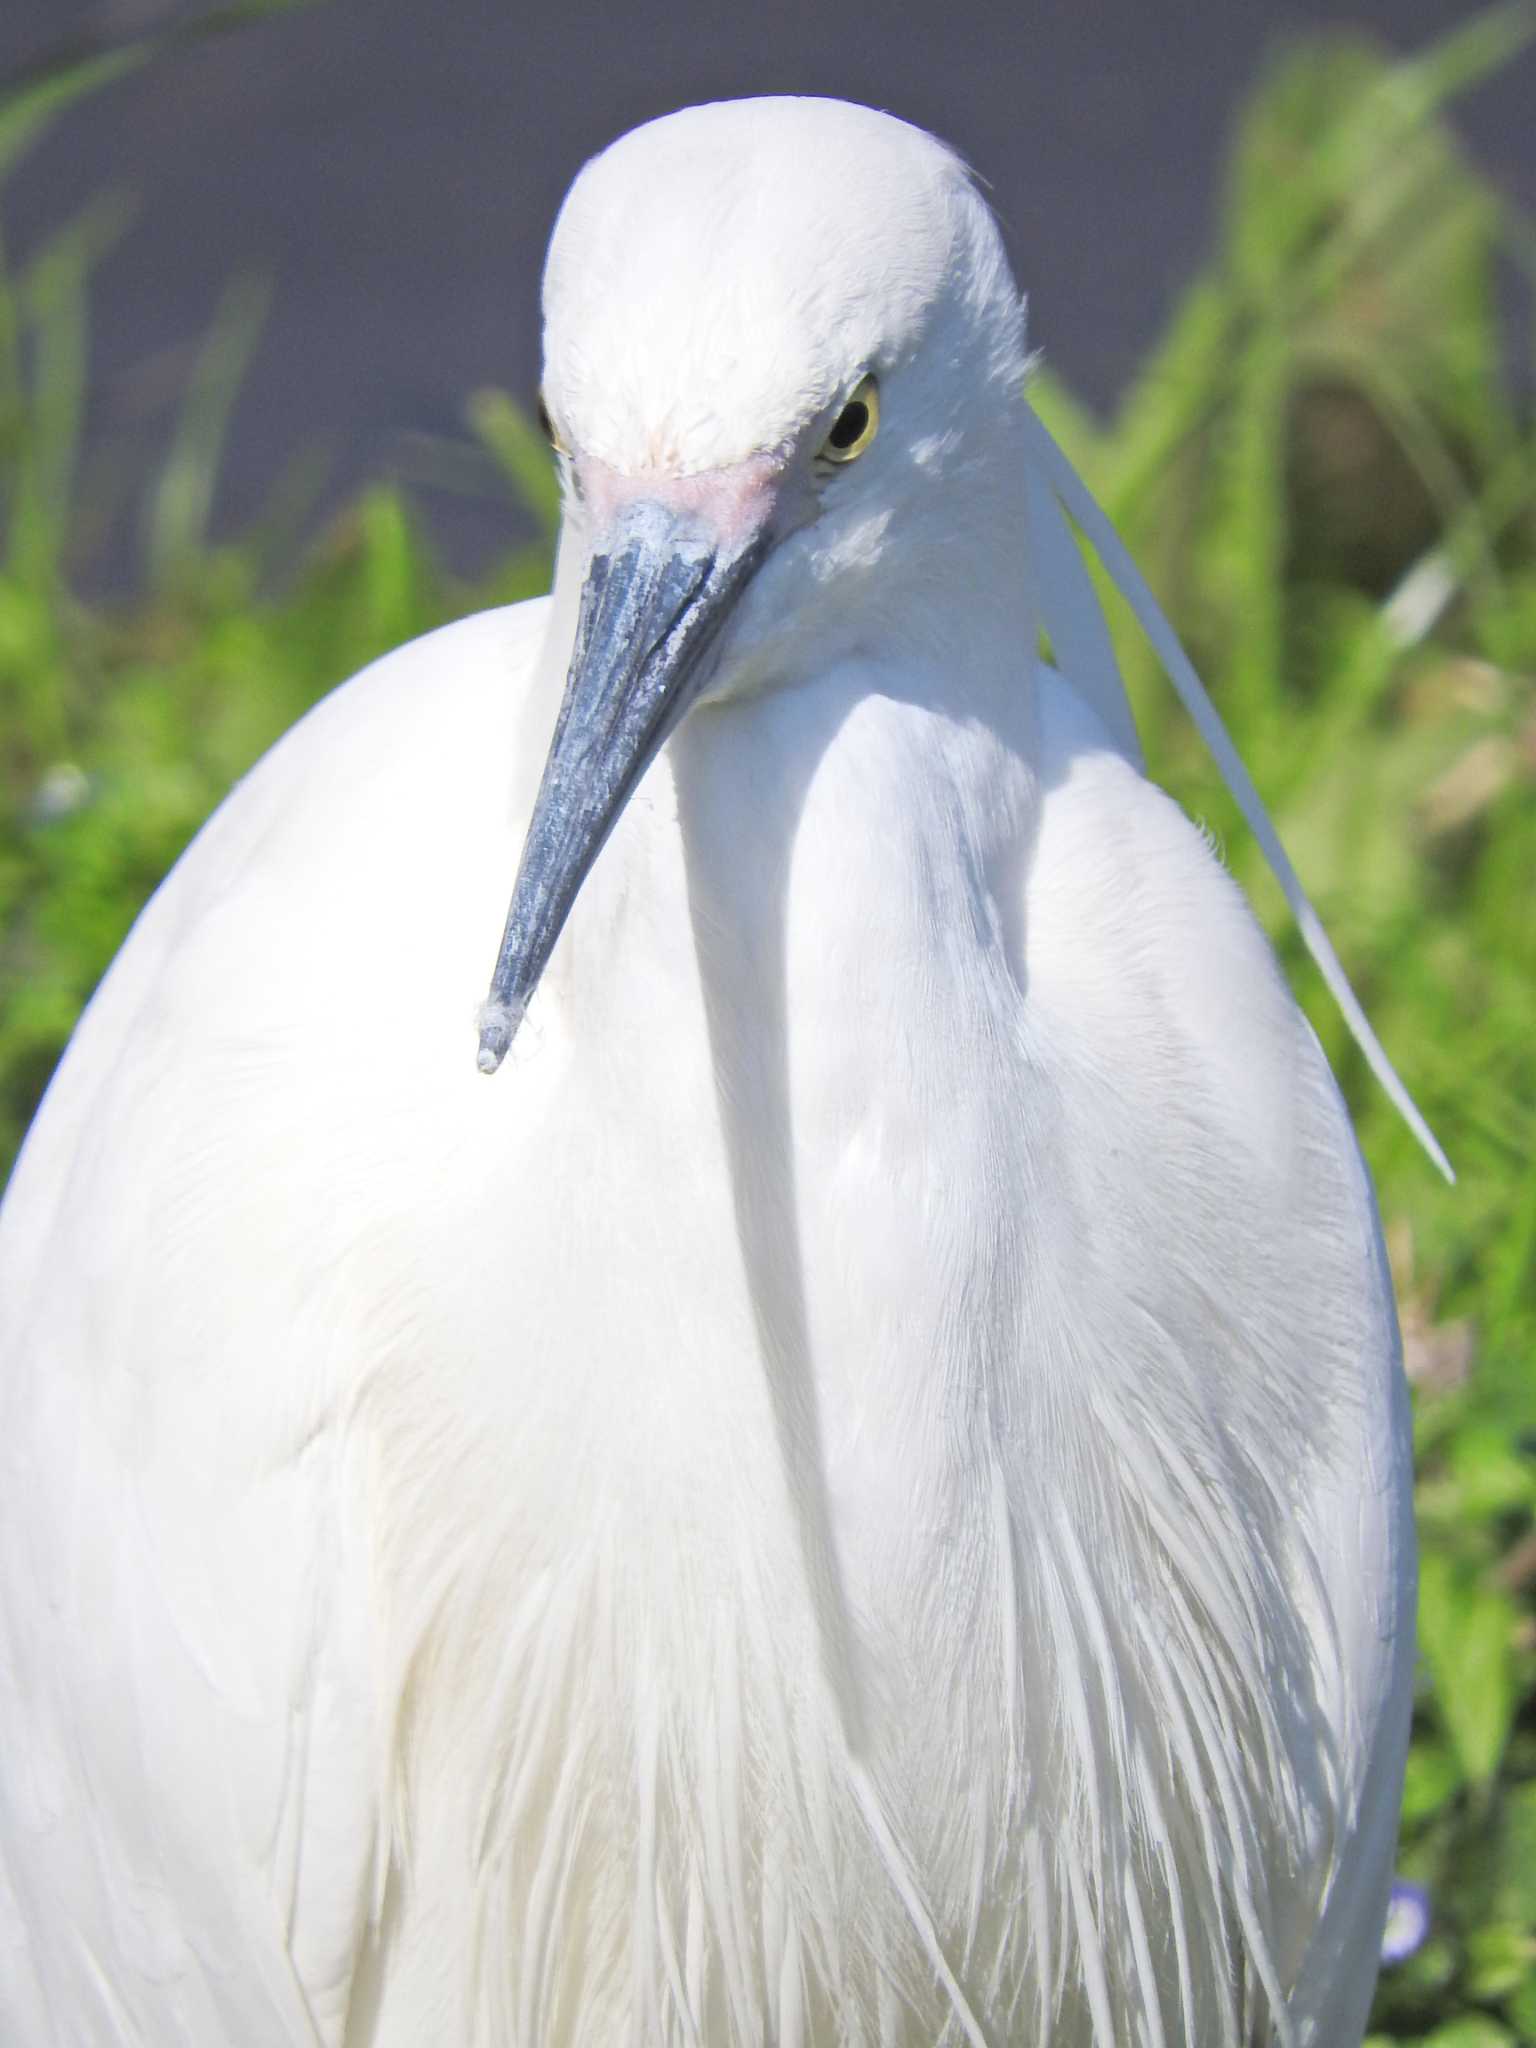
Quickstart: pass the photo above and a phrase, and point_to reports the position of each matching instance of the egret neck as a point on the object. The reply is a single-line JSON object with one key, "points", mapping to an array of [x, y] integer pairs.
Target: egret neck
{"points": [[827, 823]]}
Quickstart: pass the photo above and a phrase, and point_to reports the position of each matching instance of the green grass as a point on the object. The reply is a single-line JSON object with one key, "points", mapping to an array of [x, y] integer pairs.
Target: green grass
{"points": [[1324, 472]]}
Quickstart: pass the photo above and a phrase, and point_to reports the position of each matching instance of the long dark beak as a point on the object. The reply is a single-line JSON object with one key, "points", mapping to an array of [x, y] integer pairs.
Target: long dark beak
{"points": [[655, 598]]}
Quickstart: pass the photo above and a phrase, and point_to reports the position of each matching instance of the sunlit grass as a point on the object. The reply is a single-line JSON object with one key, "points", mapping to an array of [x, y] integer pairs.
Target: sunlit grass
{"points": [[1326, 475]]}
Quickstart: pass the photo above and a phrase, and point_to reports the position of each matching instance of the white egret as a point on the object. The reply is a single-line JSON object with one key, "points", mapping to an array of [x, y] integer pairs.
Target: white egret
{"points": [[859, 1491]]}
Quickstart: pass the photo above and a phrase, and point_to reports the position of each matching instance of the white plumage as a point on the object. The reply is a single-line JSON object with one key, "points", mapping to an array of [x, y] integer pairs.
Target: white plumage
{"points": [[859, 1491]]}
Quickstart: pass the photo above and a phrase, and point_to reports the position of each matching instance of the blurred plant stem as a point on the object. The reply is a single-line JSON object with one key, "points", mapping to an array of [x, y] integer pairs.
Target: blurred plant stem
{"points": [[79, 62]]}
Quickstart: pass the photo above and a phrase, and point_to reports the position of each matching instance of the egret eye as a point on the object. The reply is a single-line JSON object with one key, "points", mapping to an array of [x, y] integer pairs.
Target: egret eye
{"points": [[548, 428], [855, 426]]}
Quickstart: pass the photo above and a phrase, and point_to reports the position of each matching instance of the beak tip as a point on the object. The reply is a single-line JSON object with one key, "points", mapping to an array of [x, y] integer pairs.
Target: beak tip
{"points": [[498, 1027]]}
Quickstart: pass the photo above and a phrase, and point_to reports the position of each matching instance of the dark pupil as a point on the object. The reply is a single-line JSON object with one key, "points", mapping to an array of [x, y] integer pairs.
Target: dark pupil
{"points": [[849, 424]]}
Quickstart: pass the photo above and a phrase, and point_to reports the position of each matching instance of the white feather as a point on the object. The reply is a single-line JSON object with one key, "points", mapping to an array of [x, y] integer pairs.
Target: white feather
{"points": [[859, 1491], [1076, 498]]}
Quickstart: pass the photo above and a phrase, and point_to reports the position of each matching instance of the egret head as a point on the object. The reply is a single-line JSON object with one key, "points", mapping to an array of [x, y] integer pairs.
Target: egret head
{"points": [[780, 335]]}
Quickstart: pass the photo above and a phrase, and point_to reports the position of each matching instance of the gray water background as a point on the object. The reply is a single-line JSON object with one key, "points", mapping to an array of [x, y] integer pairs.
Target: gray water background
{"points": [[393, 167]]}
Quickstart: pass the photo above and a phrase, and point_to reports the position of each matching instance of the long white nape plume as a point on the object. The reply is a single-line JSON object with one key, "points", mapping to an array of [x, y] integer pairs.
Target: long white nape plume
{"points": [[1071, 614]]}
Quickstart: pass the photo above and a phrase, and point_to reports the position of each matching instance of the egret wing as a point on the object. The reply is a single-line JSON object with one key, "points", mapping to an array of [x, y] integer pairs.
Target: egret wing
{"points": [[1070, 613], [1233, 1360], [191, 1831]]}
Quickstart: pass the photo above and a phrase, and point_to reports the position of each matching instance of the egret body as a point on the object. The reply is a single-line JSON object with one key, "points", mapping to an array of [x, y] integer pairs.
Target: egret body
{"points": [[857, 1491]]}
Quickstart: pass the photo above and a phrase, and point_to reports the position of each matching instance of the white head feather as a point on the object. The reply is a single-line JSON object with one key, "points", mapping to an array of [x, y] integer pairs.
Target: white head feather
{"points": [[691, 325]]}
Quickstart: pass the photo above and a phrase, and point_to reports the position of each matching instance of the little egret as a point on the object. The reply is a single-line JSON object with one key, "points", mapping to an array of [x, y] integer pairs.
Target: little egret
{"points": [[858, 1491]]}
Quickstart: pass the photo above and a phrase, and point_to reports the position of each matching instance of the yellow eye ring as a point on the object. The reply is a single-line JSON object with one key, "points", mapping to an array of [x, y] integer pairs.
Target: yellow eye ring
{"points": [[856, 425]]}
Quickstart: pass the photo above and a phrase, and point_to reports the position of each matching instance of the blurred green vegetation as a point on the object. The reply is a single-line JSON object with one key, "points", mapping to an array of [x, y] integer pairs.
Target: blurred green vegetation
{"points": [[1324, 469]]}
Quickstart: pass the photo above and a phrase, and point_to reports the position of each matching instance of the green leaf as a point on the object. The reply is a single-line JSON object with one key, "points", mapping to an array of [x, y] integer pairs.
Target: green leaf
{"points": [[1434, 1775], [1466, 1631], [27, 109], [1499, 1958], [182, 501], [521, 452], [1493, 1478], [1521, 2007], [1476, 2030]]}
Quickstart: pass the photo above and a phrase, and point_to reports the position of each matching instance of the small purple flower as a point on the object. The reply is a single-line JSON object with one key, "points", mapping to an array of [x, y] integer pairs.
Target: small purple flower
{"points": [[1407, 1921]]}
